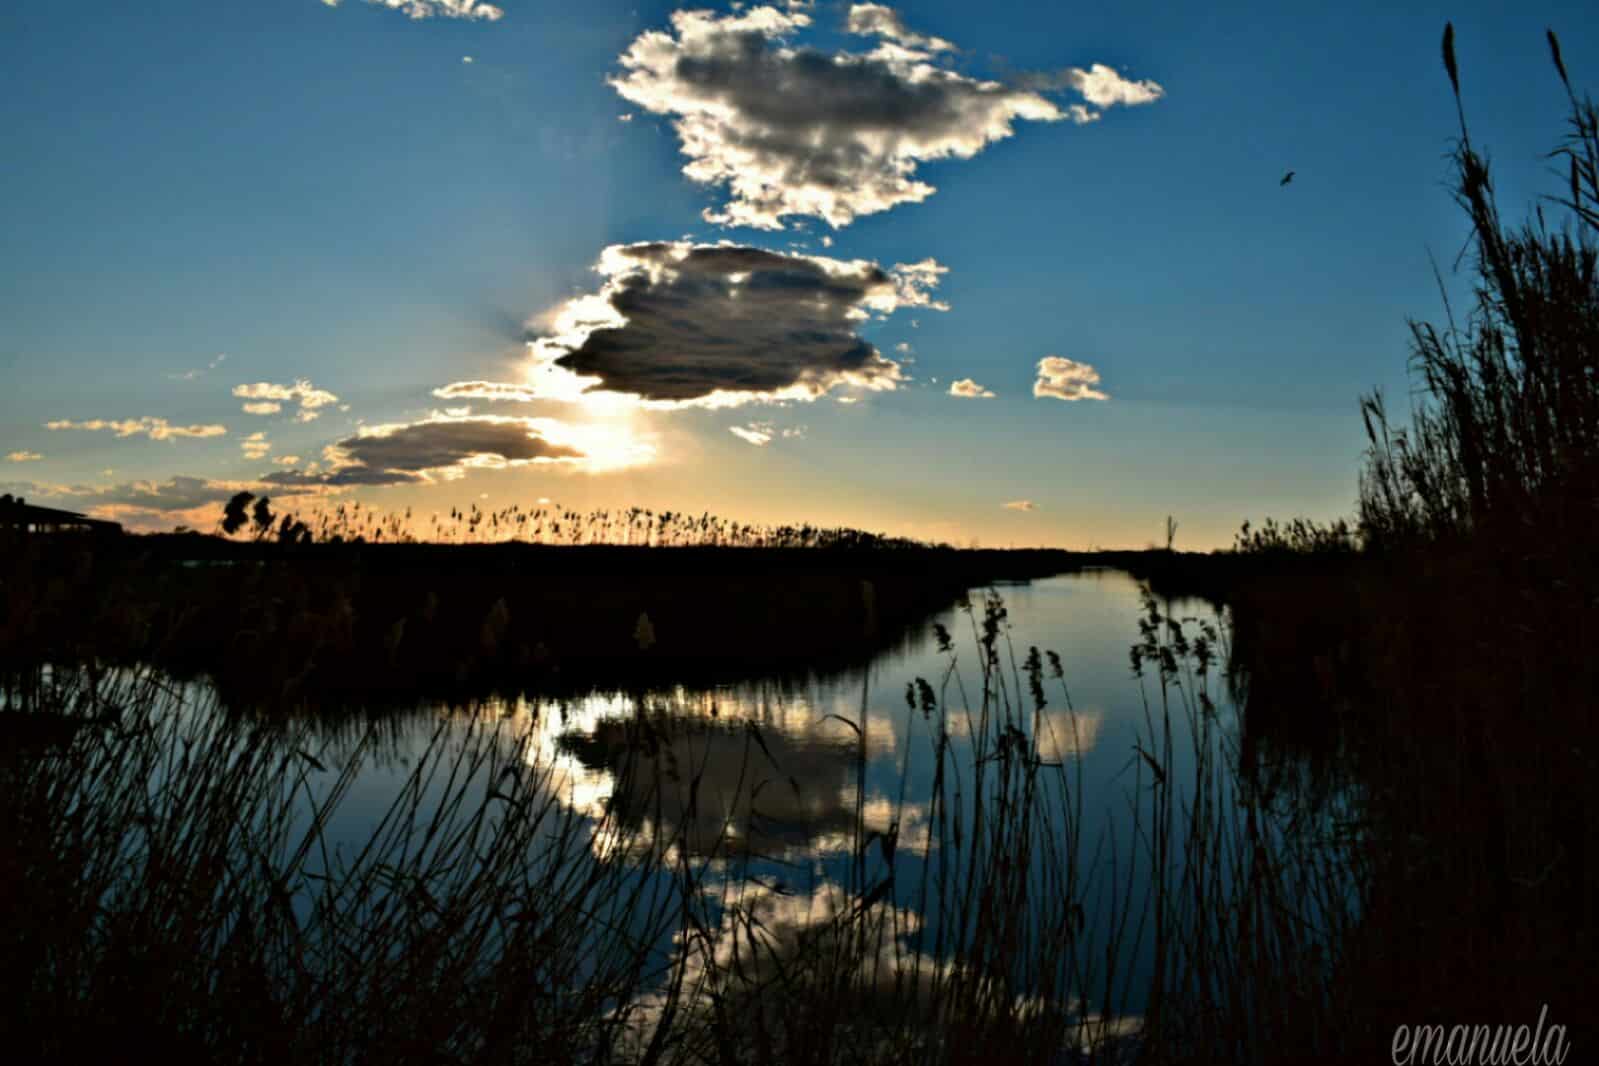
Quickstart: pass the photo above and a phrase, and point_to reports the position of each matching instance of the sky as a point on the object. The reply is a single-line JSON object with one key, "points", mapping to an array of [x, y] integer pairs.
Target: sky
{"points": [[1010, 273]]}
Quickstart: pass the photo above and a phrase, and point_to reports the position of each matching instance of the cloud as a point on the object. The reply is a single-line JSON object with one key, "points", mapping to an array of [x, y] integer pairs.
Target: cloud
{"points": [[154, 428], [877, 20], [175, 494], [753, 433], [255, 446], [444, 447], [23, 457], [1100, 85], [268, 399], [487, 390], [434, 445], [716, 325], [177, 497], [1020, 505], [426, 9], [286, 460], [967, 389], [761, 434], [1067, 379], [795, 131], [190, 375], [348, 477]]}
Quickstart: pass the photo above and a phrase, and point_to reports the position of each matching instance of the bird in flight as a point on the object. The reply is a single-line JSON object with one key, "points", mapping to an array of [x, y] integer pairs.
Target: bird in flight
{"points": [[1287, 178]]}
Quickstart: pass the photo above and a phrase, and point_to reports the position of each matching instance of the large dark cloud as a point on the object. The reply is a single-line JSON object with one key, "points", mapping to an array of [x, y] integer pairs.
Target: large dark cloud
{"points": [[797, 131], [718, 325], [434, 445], [446, 446]]}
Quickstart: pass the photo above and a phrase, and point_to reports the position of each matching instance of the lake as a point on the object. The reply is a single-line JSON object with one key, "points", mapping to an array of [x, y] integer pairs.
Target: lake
{"points": [[775, 787], [962, 818]]}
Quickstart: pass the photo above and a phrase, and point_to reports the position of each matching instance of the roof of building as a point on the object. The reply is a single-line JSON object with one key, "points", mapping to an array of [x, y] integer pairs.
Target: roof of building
{"points": [[17, 512]]}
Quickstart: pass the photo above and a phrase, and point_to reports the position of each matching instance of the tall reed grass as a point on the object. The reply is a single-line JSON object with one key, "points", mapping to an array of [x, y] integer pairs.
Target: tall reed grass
{"points": [[541, 523], [1504, 441]]}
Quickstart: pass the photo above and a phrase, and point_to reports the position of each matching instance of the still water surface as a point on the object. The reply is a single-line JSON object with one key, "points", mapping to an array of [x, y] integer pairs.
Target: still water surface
{"points": [[775, 785]]}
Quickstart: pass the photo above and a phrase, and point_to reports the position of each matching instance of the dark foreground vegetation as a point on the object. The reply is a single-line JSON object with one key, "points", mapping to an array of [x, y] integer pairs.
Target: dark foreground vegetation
{"points": [[1449, 669], [269, 622], [337, 611], [1400, 831]]}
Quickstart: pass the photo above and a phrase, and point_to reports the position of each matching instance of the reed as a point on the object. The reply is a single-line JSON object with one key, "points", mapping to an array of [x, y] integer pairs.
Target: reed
{"points": [[1503, 442], [168, 884]]}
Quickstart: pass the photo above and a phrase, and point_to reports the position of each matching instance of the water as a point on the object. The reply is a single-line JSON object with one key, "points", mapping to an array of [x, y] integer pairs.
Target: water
{"points": [[772, 787], [780, 808]]}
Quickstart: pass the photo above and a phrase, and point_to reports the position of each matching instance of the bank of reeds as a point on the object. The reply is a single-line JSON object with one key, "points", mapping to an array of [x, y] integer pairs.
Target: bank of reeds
{"points": [[1503, 442], [1448, 670], [251, 517]]}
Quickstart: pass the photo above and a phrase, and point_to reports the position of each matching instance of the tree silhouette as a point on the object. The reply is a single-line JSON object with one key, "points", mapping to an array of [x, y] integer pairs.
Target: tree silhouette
{"points": [[262, 516], [234, 514]]}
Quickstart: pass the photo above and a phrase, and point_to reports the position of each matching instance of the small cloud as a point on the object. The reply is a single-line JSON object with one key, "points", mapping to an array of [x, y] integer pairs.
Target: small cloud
{"points": [[627, 117], [761, 434], [487, 390], [967, 389], [190, 375], [426, 9], [756, 433], [255, 446], [1067, 379], [878, 20], [1020, 505], [23, 457], [154, 428], [1100, 85], [287, 460], [468, 60], [268, 399]]}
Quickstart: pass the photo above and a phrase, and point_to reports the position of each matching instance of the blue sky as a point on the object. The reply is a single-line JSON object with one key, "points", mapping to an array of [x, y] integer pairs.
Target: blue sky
{"points": [[333, 195]]}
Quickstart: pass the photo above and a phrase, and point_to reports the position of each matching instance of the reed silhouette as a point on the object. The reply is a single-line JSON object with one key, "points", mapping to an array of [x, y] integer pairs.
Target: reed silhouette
{"points": [[1440, 652]]}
